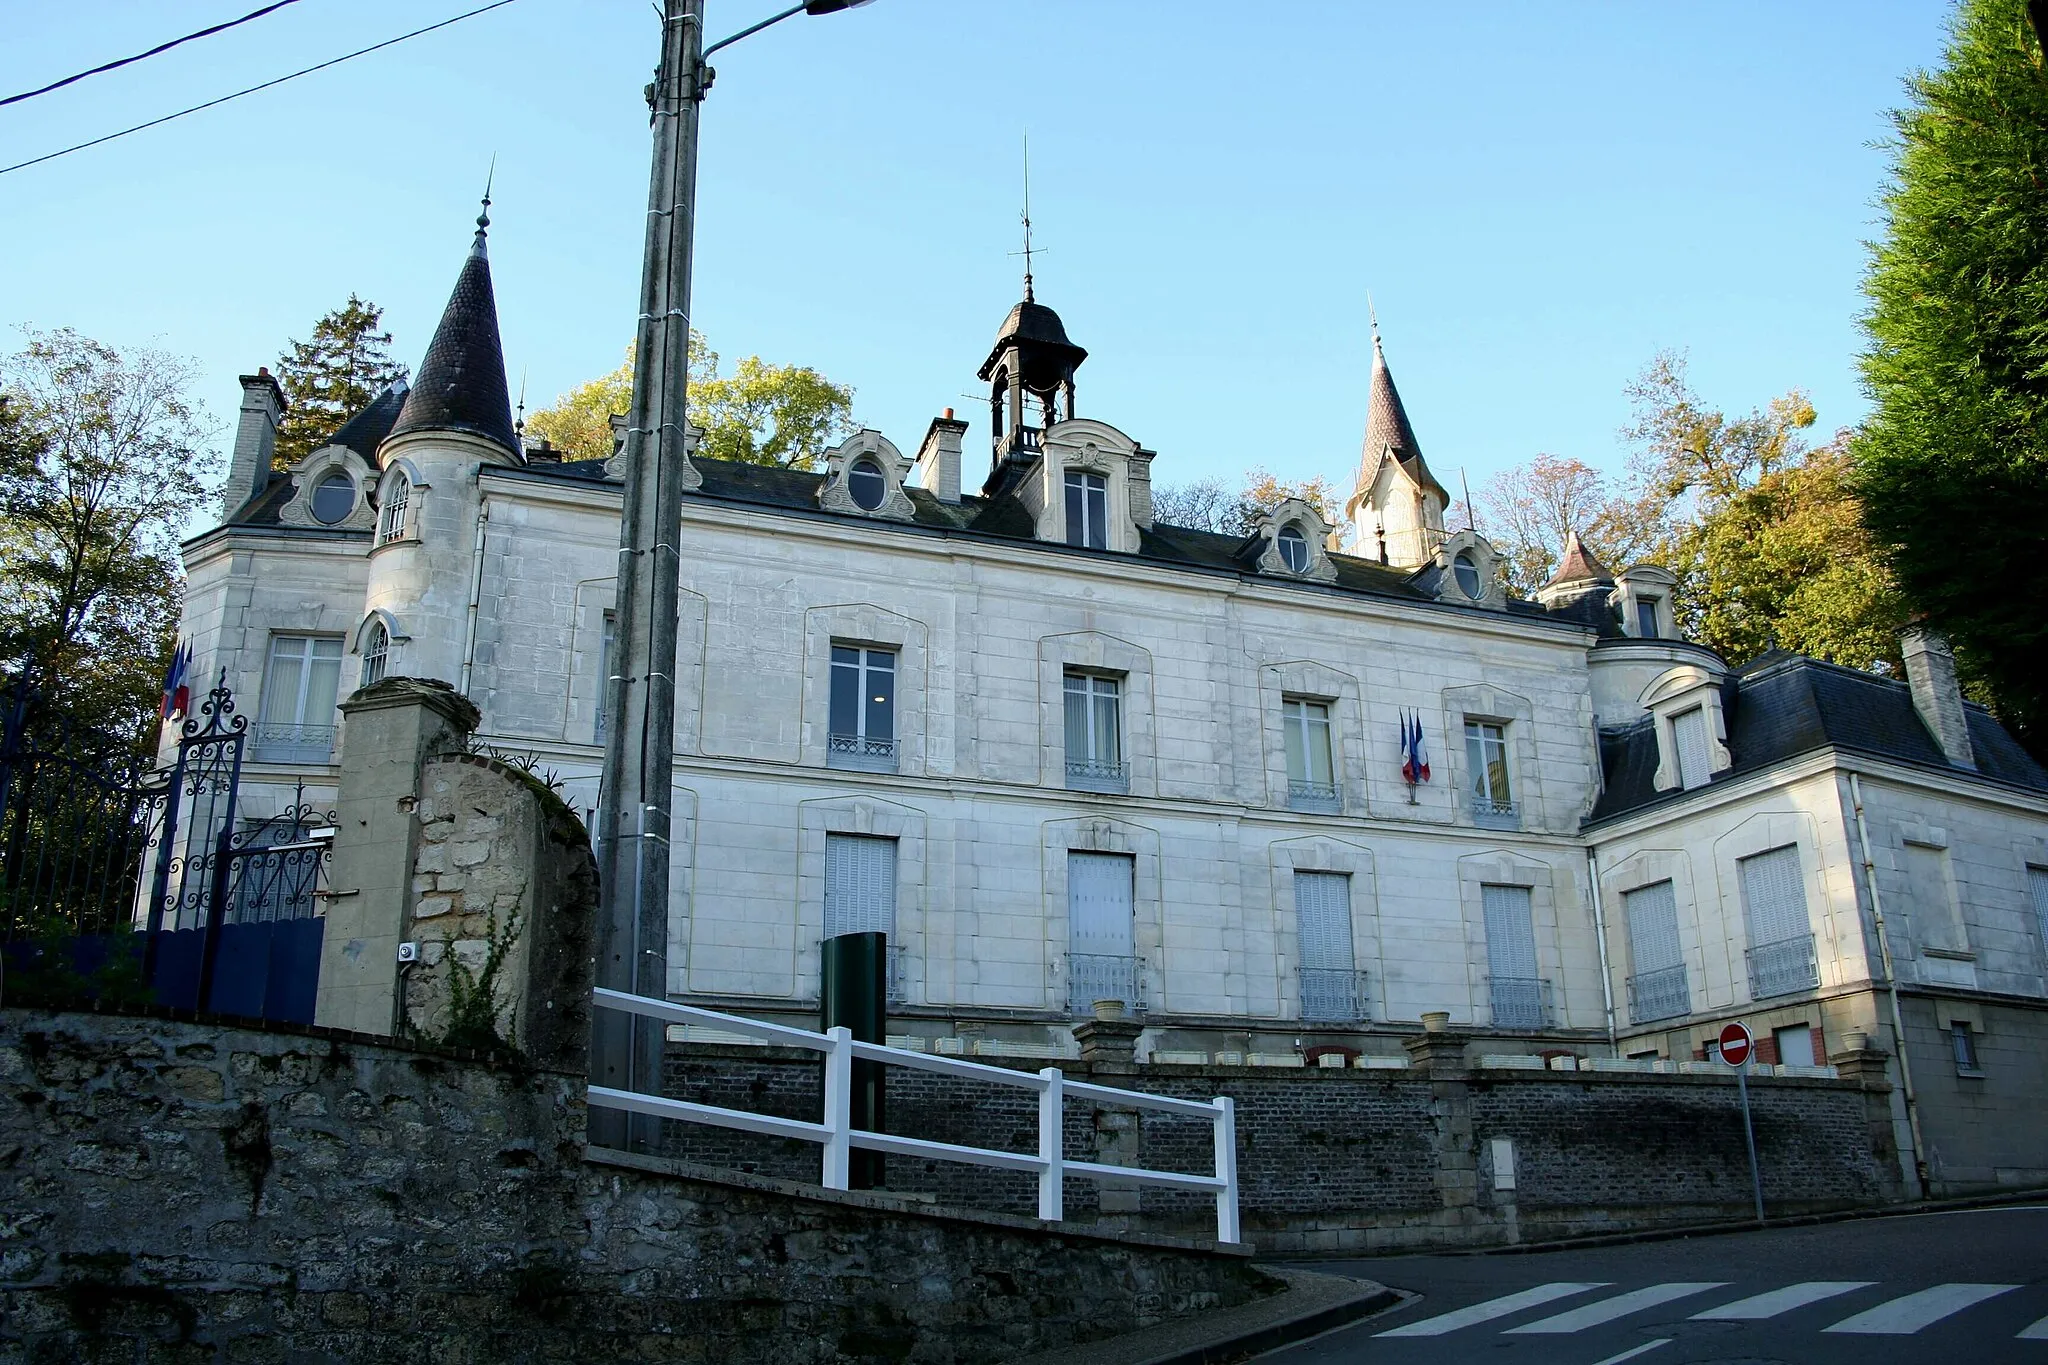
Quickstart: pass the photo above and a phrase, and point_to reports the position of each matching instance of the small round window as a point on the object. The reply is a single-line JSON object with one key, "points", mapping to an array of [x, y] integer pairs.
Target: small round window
{"points": [[1467, 569], [864, 481], [1293, 549], [334, 497]]}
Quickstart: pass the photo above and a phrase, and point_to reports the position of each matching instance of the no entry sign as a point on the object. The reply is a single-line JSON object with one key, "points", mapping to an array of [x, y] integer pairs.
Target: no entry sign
{"points": [[1736, 1044]]}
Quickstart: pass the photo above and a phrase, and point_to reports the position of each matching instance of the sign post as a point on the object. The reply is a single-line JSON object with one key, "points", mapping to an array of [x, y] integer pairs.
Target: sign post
{"points": [[1736, 1049]]}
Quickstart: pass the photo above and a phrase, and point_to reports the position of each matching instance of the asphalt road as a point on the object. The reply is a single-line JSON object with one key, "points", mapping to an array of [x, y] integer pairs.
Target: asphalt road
{"points": [[1967, 1287]]}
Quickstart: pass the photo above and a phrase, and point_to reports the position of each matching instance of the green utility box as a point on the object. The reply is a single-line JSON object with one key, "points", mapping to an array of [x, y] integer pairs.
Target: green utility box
{"points": [[854, 995]]}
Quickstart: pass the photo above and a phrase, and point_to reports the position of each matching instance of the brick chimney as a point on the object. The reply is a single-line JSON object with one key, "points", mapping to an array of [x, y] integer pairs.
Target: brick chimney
{"points": [[1931, 671], [255, 438], [938, 459]]}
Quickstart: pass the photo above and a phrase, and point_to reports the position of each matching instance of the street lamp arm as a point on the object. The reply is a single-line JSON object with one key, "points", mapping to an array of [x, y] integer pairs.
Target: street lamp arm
{"points": [[771, 20]]}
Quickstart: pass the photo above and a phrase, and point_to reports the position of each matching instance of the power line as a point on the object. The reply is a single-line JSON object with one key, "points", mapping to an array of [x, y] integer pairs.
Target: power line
{"points": [[334, 61], [160, 47]]}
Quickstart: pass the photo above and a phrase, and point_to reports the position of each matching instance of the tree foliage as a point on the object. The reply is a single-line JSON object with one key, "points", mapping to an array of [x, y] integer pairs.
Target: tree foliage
{"points": [[1952, 465], [1527, 512], [332, 376], [103, 462], [783, 415], [1209, 505]]}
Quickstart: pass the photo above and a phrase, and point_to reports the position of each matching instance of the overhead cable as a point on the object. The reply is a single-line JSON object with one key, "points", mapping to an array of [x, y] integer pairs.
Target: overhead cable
{"points": [[160, 47]]}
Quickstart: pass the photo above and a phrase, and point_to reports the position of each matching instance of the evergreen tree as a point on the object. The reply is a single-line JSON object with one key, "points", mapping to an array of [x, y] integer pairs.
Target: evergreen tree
{"points": [[332, 377], [1953, 464]]}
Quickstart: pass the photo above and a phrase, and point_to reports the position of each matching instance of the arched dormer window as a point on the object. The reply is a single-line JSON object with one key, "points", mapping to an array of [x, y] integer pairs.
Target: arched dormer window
{"points": [[1293, 548], [1467, 570], [391, 518], [333, 498], [376, 651], [867, 485]]}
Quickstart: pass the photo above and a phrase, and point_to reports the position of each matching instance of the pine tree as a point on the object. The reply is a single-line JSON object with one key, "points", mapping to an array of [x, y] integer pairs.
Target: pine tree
{"points": [[332, 377], [1953, 464]]}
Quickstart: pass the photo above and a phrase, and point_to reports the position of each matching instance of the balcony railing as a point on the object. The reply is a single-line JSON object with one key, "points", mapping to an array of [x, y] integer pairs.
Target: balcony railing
{"points": [[1662, 994], [1519, 1002], [861, 752], [1098, 774], [1491, 814], [1332, 995], [1783, 967], [1101, 976], [1316, 796], [1024, 441], [279, 742]]}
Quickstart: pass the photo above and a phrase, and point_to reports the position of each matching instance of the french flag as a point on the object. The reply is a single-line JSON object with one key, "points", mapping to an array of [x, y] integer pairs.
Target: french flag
{"points": [[177, 693], [1414, 756]]}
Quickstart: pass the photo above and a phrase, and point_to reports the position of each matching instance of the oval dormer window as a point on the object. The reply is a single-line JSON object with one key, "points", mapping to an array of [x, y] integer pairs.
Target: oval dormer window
{"points": [[1467, 569], [1293, 549], [334, 497], [866, 485]]}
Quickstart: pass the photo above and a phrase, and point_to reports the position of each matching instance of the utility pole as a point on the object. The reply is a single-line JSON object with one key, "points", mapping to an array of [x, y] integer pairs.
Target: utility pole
{"points": [[635, 817]]}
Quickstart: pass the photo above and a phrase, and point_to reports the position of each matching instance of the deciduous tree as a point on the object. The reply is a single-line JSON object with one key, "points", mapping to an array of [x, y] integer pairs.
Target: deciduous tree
{"points": [[1209, 505], [1952, 465]]}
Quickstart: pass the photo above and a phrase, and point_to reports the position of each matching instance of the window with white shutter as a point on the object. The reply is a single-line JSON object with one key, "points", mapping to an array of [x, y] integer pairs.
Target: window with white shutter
{"points": [[1101, 932], [860, 885], [2037, 882], [1518, 995], [1328, 975], [1689, 737], [1781, 954], [1657, 985]]}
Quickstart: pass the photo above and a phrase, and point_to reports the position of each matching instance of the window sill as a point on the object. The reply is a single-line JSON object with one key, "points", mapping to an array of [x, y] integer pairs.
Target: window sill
{"points": [[1950, 954], [1496, 820], [862, 763], [1309, 805], [1106, 786], [1969, 1073]]}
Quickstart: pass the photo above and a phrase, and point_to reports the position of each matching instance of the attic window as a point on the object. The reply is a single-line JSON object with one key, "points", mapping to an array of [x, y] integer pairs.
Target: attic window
{"points": [[865, 484], [1646, 617], [1467, 570], [334, 497], [1293, 549]]}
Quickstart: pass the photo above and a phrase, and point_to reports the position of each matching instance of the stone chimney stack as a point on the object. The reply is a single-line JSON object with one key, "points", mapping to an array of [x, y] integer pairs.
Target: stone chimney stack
{"points": [[255, 438], [938, 459], [1931, 670]]}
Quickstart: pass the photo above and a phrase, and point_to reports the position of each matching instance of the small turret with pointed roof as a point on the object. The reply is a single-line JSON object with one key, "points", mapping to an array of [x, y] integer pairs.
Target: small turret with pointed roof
{"points": [[1581, 588], [1388, 433], [1397, 514], [461, 383]]}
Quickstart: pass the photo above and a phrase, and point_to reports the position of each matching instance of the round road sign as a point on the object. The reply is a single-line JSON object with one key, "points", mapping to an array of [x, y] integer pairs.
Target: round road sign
{"points": [[1736, 1044]]}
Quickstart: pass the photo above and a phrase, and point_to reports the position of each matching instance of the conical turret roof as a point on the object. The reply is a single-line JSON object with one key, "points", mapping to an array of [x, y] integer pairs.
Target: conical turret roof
{"points": [[461, 383], [1387, 430], [1578, 565]]}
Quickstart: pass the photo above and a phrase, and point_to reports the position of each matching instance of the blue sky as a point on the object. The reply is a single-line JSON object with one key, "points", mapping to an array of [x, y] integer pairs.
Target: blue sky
{"points": [[1538, 198]]}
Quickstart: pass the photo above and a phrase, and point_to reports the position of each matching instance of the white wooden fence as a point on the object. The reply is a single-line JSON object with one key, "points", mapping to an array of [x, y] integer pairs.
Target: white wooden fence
{"points": [[838, 1137]]}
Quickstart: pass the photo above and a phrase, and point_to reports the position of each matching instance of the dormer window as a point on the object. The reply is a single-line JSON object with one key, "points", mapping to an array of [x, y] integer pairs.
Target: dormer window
{"points": [[1646, 618], [1087, 510], [1695, 755], [1293, 549], [334, 497], [864, 482], [1467, 570]]}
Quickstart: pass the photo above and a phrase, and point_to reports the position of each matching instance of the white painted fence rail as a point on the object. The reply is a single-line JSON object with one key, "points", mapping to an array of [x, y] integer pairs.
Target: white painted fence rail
{"points": [[838, 1137]]}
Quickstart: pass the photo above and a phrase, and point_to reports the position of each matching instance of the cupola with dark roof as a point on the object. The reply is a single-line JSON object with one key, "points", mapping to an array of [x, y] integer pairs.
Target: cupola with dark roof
{"points": [[461, 384], [1581, 587]]}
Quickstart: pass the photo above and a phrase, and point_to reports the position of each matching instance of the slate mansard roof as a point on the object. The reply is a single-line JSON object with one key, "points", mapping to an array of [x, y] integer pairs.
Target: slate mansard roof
{"points": [[1781, 706]]}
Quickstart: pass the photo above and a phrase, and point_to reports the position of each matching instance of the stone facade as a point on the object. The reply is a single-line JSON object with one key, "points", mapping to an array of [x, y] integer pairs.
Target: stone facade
{"points": [[179, 1190]]}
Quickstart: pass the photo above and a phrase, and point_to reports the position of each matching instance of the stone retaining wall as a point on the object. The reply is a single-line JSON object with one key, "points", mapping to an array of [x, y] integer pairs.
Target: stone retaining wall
{"points": [[182, 1190]]}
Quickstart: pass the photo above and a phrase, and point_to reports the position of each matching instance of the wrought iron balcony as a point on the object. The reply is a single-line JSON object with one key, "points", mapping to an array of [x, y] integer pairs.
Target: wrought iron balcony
{"points": [[279, 742], [1662, 994], [1098, 775], [1491, 814], [861, 752], [1100, 976], [1334, 995], [1519, 1002], [1783, 967], [1023, 442], [1315, 796]]}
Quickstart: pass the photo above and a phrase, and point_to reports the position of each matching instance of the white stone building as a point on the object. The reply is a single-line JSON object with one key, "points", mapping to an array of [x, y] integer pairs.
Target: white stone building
{"points": [[1062, 753]]}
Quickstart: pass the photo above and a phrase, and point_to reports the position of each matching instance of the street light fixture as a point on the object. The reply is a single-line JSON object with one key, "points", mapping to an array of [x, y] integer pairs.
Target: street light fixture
{"points": [[635, 809]]}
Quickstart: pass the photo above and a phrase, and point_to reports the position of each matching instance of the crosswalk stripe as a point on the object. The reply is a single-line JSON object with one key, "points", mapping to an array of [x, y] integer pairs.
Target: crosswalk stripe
{"points": [[1493, 1308], [1904, 1316], [2038, 1332], [1778, 1301], [1635, 1351], [1620, 1306]]}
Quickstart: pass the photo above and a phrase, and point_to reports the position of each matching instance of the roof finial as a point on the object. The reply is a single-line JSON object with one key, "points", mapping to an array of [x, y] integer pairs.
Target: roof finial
{"points": [[483, 220], [1374, 317], [1027, 219]]}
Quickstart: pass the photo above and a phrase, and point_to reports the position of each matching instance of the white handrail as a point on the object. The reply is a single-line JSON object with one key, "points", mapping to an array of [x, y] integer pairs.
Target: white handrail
{"points": [[837, 1136]]}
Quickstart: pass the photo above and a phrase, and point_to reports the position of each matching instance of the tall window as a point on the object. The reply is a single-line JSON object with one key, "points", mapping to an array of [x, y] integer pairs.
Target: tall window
{"points": [[1095, 750], [863, 722], [376, 648], [1102, 962], [1781, 957], [2037, 883], [1311, 777], [391, 517], [1520, 998], [300, 680], [860, 893], [1657, 987], [1486, 761], [1689, 738], [1646, 617], [1087, 510], [1962, 1040], [607, 642], [1330, 984], [1293, 548]]}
